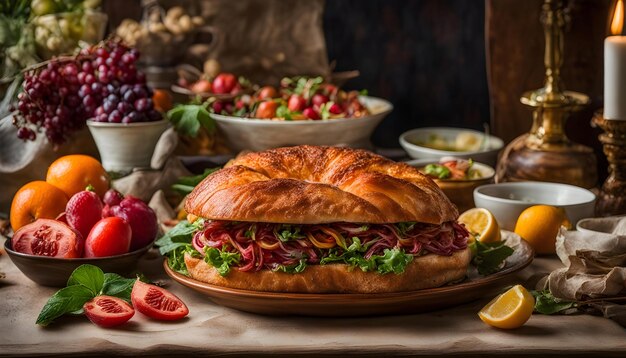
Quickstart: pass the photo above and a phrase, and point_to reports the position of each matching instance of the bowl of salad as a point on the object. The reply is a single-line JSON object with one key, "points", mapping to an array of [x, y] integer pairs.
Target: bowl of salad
{"points": [[302, 110], [437, 142], [457, 178]]}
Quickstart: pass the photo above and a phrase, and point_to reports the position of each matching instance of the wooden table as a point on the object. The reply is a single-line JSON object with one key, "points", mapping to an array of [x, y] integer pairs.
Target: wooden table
{"points": [[211, 329]]}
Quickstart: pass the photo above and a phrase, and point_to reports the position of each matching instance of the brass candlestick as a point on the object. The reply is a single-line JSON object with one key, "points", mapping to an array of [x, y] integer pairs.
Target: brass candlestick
{"points": [[546, 154], [612, 197]]}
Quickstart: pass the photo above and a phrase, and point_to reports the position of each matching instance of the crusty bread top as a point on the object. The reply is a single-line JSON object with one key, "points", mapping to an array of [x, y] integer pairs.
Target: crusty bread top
{"points": [[311, 185]]}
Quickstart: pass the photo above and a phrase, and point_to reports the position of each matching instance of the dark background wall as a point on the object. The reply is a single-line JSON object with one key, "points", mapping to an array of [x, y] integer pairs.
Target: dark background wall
{"points": [[425, 56]]}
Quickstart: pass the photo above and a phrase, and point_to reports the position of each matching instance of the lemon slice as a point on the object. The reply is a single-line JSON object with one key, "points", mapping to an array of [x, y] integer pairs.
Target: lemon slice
{"points": [[509, 310], [482, 223]]}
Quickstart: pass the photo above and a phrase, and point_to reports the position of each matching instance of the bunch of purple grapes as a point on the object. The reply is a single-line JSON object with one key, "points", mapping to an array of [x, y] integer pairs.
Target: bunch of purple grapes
{"points": [[49, 102], [119, 90], [100, 84]]}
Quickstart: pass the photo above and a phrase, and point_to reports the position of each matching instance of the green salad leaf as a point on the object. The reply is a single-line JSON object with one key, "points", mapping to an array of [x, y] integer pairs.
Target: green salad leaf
{"points": [[222, 260], [437, 170], [392, 260], [283, 112], [85, 283], [289, 232], [405, 227], [295, 268], [488, 257], [546, 303], [177, 242]]}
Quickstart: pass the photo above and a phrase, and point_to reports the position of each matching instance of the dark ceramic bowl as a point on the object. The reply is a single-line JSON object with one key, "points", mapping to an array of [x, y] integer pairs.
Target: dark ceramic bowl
{"points": [[52, 271]]}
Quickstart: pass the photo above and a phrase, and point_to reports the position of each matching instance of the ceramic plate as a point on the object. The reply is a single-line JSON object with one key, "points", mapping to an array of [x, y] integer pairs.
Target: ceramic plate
{"points": [[338, 305]]}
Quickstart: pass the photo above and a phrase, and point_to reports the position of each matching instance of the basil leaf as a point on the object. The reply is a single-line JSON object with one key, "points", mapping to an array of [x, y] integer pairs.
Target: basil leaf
{"points": [[189, 118], [88, 276], [546, 303], [220, 259], [67, 300], [118, 286], [393, 260], [488, 257]]}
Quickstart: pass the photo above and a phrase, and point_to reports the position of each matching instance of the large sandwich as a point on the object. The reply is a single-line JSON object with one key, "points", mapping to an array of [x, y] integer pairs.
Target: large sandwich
{"points": [[324, 219]]}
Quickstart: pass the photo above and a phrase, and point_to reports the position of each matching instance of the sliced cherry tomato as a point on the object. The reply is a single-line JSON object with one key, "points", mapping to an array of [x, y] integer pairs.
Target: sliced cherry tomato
{"points": [[266, 109], [108, 237], [267, 92], [156, 302], [319, 99], [296, 103], [201, 86], [46, 237], [224, 83], [108, 311]]}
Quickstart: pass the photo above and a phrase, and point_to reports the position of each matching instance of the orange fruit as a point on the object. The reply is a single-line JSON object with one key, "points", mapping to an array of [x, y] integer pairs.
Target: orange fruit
{"points": [[539, 225], [73, 173], [36, 200], [162, 100]]}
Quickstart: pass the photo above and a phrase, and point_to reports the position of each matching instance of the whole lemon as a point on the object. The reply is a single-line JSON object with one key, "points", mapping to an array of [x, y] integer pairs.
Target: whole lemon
{"points": [[539, 225]]}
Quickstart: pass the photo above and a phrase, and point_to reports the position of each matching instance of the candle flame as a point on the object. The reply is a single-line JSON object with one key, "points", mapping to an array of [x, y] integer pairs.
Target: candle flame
{"points": [[617, 23]]}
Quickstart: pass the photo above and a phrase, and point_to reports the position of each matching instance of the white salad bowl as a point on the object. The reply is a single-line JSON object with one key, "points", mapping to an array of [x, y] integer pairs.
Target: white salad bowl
{"points": [[411, 142], [260, 134], [507, 200]]}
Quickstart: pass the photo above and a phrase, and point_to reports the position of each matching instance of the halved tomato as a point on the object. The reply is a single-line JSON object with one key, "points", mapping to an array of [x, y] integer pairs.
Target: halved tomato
{"points": [[156, 302], [108, 311], [46, 237]]}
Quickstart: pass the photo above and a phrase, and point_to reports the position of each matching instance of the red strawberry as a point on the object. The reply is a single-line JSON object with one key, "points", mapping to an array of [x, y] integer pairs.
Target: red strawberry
{"points": [[83, 211]]}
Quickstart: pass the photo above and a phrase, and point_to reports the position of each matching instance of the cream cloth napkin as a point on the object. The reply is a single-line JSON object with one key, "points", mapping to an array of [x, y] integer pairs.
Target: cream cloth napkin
{"points": [[595, 269]]}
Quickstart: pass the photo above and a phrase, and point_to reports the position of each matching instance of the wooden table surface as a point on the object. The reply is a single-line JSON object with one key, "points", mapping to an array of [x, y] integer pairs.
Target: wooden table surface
{"points": [[211, 329]]}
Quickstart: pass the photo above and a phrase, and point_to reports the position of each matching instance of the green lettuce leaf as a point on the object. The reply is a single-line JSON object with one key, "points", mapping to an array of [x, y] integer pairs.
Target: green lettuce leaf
{"points": [[392, 260], [295, 268], [289, 232], [222, 260]]}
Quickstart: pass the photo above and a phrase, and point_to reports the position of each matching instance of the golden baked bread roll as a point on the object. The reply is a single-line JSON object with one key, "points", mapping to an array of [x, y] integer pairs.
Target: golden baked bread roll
{"points": [[311, 185], [324, 219]]}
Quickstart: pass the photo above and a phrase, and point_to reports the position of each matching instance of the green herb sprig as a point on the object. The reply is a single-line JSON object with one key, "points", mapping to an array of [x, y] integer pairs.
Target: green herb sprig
{"points": [[85, 283]]}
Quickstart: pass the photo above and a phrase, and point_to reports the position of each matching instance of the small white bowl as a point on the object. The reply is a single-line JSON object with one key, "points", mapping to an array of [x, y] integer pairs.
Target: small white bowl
{"points": [[507, 200], [604, 225], [488, 155], [124, 147], [260, 134]]}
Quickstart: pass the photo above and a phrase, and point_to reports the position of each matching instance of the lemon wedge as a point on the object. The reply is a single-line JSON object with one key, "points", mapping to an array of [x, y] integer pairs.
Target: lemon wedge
{"points": [[509, 310], [482, 223]]}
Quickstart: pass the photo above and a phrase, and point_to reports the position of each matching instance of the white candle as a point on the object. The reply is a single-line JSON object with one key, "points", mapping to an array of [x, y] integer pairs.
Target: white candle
{"points": [[615, 77]]}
